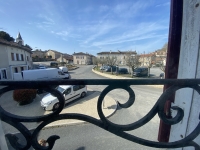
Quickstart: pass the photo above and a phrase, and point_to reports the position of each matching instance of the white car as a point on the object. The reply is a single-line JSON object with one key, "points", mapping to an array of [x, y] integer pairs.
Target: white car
{"points": [[70, 92]]}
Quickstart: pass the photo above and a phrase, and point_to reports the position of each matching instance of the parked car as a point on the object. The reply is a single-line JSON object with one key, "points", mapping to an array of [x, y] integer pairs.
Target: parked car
{"points": [[140, 71], [108, 69], [103, 67], [162, 75], [122, 71], [70, 93], [41, 67]]}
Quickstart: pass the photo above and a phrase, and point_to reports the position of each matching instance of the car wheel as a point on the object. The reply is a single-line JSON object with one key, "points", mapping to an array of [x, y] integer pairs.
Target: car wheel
{"points": [[56, 106], [83, 94]]}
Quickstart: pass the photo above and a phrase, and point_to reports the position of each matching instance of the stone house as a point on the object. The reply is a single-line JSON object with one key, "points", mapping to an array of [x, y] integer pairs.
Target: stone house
{"points": [[121, 56], [53, 54], [68, 59], [14, 57], [38, 53], [147, 59], [161, 56], [82, 58]]}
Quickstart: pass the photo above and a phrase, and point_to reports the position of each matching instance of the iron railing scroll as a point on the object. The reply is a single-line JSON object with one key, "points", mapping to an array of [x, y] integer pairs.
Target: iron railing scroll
{"points": [[119, 130]]}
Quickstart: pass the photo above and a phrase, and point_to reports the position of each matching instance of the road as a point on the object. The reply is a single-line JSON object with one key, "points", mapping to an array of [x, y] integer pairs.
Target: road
{"points": [[90, 137], [146, 96]]}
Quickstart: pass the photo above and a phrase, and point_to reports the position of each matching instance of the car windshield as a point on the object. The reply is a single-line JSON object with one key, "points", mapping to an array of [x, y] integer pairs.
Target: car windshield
{"points": [[60, 89], [138, 69]]}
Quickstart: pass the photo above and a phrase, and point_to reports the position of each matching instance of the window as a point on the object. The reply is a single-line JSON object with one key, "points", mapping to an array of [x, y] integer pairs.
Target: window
{"points": [[76, 88], [17, 57], [22, 57], [4, 76], [67, 91], [60, 73], [27, 58], [16, 70], [22, 68], [12, 56]]}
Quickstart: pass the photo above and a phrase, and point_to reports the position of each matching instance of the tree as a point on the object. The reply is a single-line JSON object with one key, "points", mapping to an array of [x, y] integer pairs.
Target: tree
{"points": [[162, 64], [111, 61], [162, 58], [6, 36], [149, 62], [95, 61], [28, 46], [62, 63], [101, 61], [132, 61]]}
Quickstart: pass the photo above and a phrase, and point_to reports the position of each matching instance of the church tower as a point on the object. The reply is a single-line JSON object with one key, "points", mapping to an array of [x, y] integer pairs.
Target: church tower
{"points": [[19, 39]]}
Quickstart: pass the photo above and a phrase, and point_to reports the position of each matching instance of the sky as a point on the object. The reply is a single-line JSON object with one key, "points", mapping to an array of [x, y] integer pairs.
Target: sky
{"points": [[90, 26]]}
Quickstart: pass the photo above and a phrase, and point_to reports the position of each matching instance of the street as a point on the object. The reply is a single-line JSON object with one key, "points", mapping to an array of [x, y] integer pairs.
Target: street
{"points": [[87, 136]]}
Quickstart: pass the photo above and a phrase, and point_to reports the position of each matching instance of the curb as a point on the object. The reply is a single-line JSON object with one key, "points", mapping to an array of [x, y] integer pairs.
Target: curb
{"points": [[118, 77], [73, 68]]}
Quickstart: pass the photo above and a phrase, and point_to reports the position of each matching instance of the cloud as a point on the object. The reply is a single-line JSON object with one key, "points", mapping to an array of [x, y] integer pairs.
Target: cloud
{"points": [[130, 9], [164, 4], [99, 30], [141, 32], [62, 33], [48, 20]]}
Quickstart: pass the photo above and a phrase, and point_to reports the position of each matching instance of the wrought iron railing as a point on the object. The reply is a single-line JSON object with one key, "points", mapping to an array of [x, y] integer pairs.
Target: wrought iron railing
{"points": [[103, 122]]}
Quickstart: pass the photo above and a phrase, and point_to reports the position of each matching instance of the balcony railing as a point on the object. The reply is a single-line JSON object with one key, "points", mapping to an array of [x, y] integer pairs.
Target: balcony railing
{"points": [[119, 130]]}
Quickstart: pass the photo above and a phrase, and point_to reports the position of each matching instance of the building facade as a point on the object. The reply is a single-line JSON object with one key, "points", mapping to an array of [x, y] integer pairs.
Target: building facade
{"points": [[121, 56], [82, 58], [38, 53], [68, 59], [14, 58], [147, 59], [53, 54], [161, 57]]}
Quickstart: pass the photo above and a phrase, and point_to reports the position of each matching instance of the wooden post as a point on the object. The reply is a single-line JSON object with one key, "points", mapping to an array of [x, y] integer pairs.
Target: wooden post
{"points": [[172, 63]]}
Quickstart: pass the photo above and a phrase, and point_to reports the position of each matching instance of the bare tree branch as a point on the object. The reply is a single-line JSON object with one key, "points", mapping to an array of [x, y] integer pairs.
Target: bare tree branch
{"points": [[132, 61]]}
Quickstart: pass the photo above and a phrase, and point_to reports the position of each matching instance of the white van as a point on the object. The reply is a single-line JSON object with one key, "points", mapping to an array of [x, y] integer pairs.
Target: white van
{"points": [[41, 74], [70, 92], [64, 69]]}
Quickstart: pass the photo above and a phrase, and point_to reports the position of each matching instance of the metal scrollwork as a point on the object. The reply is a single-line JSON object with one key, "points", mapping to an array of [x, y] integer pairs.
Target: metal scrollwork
{"points": [[119, 130]]}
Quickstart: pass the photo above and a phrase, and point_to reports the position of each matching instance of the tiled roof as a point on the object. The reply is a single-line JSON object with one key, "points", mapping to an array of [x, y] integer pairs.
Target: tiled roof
{"points": [[119, 52], [68, 57], [14, 44], [147, 55], [54, 51], [81, 53]]}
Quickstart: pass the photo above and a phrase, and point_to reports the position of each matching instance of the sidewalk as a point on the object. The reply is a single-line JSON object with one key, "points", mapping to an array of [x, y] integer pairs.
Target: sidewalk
{"points": [[87, 106]]}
